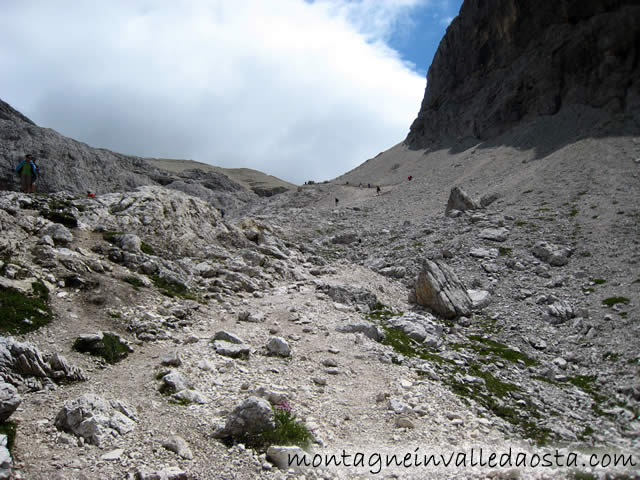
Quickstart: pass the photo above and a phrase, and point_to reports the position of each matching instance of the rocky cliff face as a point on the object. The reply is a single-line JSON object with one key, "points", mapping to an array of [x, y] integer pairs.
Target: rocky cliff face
{"points": [[502, 62]]}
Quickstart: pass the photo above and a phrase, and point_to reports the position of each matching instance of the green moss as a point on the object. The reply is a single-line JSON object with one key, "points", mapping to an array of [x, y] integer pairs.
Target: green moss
{"points": [[504, 251], [494, 395], [573, 212], [110, 236], [111, 349], [172, 289], [614, 300], [57, 216], [599, 281], [9, 428], [417, 244], [491, 347], [21, 313], [544, 379], [146, 248], [57, 211], [611, 356], [520, 223], [161, 374], [134, 281]]}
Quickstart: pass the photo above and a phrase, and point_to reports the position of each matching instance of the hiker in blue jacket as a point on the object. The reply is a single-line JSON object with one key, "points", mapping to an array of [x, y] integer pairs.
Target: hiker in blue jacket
{"points": [[28, 171]]}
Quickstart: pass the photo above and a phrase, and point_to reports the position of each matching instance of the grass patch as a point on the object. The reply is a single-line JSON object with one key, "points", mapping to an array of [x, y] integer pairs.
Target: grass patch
{"points": [[58, 212], [21, 313], [417, 244], [573, 212], [172, 289], [611, 301], [520, 223], [134, 281], [397, 339], [9, 428], [110, 236], [491, 347], [288, 431], [504, 251], [599, 281], [146, 248], [544, 379], [611, 356], [494, 396], [110, 348]]}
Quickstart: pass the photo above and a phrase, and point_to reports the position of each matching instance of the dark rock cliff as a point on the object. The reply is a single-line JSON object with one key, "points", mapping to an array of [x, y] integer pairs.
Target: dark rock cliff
{"points": [[502, 62]]}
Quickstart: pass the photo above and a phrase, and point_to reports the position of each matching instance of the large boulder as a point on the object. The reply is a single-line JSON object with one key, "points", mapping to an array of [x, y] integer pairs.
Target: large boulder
{"points": [[439, 289], [253, 416], [461, 201], [554, 255], [96, 420], [422, 328]]}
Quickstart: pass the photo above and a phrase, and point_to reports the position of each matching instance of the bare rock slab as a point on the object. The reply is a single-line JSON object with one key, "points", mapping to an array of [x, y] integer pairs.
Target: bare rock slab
{"points": [[232, 350], [439, 288], [494, 234]]}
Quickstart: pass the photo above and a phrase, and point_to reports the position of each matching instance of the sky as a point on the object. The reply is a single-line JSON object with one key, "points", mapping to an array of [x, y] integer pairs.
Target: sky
{"points": [[299, 89]]}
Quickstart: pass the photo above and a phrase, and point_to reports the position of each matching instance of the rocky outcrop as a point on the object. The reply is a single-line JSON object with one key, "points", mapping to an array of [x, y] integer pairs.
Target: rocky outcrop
{"points": [[23, 365], [95, 419], [502, 62], [69, 165], [438, 288]]}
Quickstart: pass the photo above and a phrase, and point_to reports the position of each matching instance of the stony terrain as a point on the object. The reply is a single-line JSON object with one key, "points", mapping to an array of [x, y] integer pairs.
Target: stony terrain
{"points": [[539, 361], [486, 297]]}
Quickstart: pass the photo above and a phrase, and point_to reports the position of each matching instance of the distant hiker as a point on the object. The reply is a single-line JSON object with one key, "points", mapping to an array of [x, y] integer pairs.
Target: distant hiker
{"points": [[91, 195], [378, 190], [409, 178], [222, 212], [337, 202], [28, 171], [368, 185]]}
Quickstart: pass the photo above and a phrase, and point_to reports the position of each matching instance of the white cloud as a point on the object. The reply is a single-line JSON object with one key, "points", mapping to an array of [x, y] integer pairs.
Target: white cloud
{"points": [[298, 90]]}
